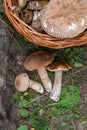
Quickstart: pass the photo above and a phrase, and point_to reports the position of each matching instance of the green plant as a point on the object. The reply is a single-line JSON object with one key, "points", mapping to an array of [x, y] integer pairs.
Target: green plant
{"points": [[24, 112], [41, 116], [22, 127], [69, 98], [39, 123], [73, 55]]}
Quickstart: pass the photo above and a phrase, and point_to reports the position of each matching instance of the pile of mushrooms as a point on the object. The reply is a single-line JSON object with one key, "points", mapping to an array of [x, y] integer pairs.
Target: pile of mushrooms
{"points": [[58, 18], [29, 12], [42, 61]]}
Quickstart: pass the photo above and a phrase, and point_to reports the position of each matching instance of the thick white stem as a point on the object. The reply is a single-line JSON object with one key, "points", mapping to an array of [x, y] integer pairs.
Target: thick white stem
{"points": [[45, 79], [56, 92], [36, 86]]}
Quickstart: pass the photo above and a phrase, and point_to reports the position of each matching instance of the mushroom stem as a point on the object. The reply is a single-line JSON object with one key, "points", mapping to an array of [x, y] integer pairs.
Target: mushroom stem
{"points": [[56, 92], [36, 86], [45, 79]]}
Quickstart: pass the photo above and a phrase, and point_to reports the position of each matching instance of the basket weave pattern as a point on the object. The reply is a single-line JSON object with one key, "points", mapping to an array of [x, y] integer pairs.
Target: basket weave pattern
{"points": [[38, 38]]}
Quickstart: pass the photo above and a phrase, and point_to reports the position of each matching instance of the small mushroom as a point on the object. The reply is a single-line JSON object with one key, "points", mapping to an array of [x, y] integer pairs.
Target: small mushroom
{"points": [[22, 3], [57, 68], [22, 83], [64, 19], [34, 5], [39, 60], [26, 16], [36, 22]]}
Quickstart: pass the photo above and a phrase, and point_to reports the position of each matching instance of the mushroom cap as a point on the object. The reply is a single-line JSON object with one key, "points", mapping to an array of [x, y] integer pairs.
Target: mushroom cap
{"points": [[26, 15], [64, 19], [55, 66], [38, 60], [22, 82], [34, 5]]}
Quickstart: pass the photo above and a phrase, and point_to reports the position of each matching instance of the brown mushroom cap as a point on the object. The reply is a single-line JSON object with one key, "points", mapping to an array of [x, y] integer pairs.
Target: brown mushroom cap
{"points": [[38, 60], [55, 66], [26, 16], [64, 19], [34, 5], [22, 82]]}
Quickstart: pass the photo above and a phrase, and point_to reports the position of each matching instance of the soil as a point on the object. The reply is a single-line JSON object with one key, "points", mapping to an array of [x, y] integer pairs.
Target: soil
{"points": [[14, 51]]}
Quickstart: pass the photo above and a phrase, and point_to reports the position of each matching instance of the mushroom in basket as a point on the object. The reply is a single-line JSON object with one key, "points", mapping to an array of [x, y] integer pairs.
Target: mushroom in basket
{"points": [[36, 8], [39, 60], [26, 16], [57, 68], [22, 83], [30, 13], [33, 5], [64, 19]]}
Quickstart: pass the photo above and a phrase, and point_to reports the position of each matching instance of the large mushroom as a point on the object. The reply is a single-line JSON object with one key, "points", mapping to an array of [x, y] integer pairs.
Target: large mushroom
{"points": [[58, 68], [39, 60], [22, 83], [64, 19]]}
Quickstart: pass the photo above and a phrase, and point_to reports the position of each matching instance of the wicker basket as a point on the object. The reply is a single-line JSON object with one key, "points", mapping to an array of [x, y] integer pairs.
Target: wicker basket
{"points": [[38, 38]]}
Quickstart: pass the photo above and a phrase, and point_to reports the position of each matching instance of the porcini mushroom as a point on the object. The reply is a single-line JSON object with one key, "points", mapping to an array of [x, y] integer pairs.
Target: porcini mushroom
{"points": [[39, 60], [64, 19], [22, 83], [57, 68]]}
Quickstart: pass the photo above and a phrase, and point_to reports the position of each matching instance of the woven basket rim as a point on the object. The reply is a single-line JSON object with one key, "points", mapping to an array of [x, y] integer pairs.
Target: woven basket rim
{"points": [[39, 38]]}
